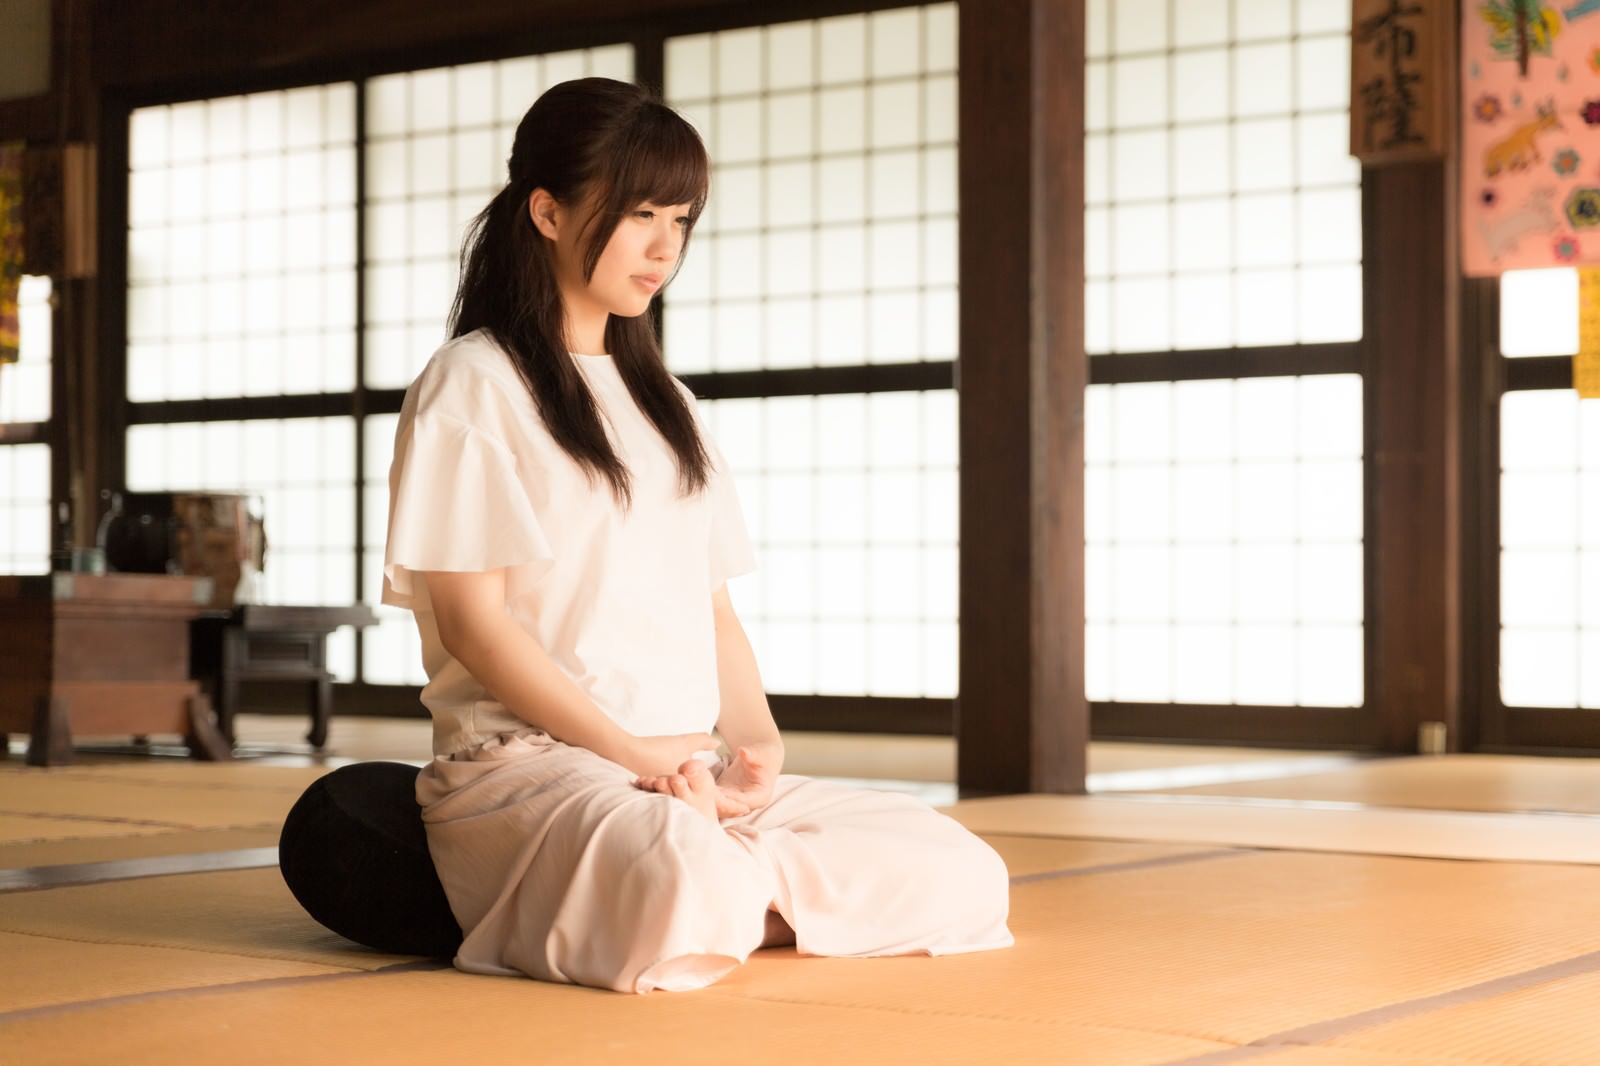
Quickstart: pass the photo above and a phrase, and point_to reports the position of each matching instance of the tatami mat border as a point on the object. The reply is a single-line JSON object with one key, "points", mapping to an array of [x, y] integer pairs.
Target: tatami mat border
{"points": [[30, 1013], [1319, 1033], [29, 878], [1134, 864]]}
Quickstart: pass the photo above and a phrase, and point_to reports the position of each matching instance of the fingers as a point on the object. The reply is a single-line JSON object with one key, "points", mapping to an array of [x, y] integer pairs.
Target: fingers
{"points": [[728, 807]]}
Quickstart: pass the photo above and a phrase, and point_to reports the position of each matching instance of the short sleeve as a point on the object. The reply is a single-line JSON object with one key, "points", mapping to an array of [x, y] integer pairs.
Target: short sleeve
{"points": [[456, 503], [731, 554]]}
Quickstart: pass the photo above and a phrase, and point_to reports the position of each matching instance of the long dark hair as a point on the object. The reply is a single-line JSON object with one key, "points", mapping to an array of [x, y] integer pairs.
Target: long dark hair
{"points": [[617, 146]]}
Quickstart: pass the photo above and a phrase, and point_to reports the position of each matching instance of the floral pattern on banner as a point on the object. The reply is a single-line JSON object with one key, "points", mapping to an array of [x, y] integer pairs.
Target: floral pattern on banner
{"points": [[10, 249], [1530, 134]]}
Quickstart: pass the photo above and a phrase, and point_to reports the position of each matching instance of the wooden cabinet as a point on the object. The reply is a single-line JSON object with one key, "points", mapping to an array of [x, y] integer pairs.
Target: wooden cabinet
{"points": [[98, 655]]}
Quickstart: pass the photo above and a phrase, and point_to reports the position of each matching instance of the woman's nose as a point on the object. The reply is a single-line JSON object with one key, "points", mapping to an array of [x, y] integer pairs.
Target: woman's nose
{"points": [[666, 244]]}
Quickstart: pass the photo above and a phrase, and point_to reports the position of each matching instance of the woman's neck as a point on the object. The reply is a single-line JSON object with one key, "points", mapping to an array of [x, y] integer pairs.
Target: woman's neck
{"points": [[586, 326]]}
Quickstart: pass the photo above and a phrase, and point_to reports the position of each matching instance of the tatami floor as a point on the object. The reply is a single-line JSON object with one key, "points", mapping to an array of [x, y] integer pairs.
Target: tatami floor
{"points": [[1203, 905]]}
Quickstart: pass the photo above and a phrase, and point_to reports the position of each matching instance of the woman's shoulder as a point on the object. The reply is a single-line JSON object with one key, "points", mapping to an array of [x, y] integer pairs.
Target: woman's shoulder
{"points": [[471, 380], [467, 364], [471, 356]]}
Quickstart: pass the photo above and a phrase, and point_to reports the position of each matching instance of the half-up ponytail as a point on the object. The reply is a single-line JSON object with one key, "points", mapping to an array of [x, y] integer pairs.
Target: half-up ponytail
{"points": [[618, 144]]}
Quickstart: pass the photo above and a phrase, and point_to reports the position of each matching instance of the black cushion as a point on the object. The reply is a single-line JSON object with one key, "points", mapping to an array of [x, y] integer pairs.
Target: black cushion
{"points": [[354, 853]]}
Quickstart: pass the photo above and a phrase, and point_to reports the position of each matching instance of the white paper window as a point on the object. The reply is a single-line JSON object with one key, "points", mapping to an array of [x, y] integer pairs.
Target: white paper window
{"points": [[1538, 312], [25, 520], [830, 237], [25, 526], [25, 384], [393, 646], [1550, 550], [852, 508], [241, 246], [1224, 542], [1223, 208]]}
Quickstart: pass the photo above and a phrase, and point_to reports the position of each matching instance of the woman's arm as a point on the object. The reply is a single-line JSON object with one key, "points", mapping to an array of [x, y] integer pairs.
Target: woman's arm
{"points": [[744, 719], [470, 612]]}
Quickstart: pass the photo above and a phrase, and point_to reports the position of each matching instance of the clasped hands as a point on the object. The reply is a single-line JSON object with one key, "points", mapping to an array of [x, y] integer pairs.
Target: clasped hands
{"points": [[744, 783]]}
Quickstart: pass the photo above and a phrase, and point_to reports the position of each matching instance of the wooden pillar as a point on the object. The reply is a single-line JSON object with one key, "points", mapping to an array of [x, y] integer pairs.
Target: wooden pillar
{"points": [[1413, 413], [1022, 721], [64, 240]]}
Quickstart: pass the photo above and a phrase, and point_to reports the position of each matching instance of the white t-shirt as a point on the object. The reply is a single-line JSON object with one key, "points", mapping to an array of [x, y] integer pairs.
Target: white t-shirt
{"points": [[621, 600]]}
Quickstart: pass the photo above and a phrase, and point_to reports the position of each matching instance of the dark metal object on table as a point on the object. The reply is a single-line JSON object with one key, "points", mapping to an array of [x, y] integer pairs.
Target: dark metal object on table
{"points": [[271, 642], [101, 654]]}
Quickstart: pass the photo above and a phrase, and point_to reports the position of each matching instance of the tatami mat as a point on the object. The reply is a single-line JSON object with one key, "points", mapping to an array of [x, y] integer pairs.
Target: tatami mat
{"points": [[251, 911], [502, 1020], [111, 795], [1553, 1023], [1233, 949], [1445, 782], [1039, 856], [1149, 963], [46, 971], [1267, 824], [236, 912], [176, 773], [16, 828], [1302, 920]]}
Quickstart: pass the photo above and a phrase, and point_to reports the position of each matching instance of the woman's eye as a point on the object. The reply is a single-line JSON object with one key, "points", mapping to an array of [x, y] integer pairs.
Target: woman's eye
{"points": [[647, 215], [683, 220]]}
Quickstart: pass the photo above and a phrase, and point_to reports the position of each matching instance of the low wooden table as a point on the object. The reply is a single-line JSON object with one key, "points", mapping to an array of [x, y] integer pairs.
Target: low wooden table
{"points": [[101, 654], [271, 642]]}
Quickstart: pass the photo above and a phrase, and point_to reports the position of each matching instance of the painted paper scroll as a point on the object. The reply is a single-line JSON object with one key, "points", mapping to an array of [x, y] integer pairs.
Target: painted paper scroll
{"points": [[1530, 134]]}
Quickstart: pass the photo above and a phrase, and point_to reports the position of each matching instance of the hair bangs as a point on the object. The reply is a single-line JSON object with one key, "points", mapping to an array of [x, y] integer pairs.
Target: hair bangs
{"points": [[657, 158], [663, 163]]}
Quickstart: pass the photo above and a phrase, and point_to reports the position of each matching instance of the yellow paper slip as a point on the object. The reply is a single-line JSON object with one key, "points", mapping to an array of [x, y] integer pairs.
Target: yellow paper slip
{"points": [[1586, 364]]}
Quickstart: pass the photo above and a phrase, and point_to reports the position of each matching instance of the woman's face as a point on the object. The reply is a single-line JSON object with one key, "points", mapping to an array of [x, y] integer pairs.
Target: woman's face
{"points": [[638, 259]]}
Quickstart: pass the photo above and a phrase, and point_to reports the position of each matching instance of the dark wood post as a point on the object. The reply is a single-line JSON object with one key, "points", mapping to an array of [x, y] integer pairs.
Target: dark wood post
{"points": [[1414, 451], [1022, 721]]}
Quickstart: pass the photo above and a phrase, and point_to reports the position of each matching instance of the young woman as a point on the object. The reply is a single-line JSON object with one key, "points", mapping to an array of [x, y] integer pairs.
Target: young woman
{"points": [[562, 528]]}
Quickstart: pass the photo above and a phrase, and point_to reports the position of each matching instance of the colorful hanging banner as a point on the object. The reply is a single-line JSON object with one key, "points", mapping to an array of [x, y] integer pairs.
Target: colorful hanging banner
{"points": [[10, 249], [1586, 364], [1530, 134]]}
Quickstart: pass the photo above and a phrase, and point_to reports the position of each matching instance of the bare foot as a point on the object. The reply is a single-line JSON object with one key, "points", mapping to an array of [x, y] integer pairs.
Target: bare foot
{"points": [[694, 785]]}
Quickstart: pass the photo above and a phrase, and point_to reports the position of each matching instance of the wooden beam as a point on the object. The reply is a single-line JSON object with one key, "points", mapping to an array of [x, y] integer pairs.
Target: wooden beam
{"points": [[1022, 722], [1302, 727], [1208, 364], [1414, 452], [176, 48]]}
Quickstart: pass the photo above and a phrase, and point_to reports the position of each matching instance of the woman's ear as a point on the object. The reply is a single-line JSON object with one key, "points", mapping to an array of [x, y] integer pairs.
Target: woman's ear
{"points": [[545, 212]]}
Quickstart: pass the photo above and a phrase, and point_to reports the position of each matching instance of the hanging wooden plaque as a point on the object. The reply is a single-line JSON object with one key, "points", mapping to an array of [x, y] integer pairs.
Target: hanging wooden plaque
{"points": [[1400, 85]]}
